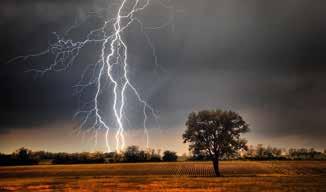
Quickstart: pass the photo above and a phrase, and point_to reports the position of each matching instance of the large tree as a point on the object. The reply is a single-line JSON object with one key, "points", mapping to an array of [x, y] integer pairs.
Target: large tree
{"points": [[216, 133]]}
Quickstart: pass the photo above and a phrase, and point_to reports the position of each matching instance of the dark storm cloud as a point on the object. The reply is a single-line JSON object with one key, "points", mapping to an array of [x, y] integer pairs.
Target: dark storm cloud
{"points": [[263, 58], [266, 58], [26, 99]]}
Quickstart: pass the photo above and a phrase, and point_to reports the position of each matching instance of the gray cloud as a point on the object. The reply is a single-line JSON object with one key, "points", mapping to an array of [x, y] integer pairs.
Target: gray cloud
{"points": [[262, 58]]}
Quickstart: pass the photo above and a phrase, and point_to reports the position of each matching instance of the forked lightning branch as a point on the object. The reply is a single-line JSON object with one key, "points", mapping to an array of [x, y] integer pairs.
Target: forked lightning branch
{"points": [[113, 56]]}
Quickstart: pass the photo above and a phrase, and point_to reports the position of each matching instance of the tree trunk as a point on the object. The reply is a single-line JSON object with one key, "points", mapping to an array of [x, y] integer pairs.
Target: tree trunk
{"points": [[216, 167]]}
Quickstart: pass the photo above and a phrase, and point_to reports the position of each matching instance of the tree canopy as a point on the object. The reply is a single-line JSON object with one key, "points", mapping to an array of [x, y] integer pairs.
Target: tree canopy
{"points": [[169, 156], [216, 133]]}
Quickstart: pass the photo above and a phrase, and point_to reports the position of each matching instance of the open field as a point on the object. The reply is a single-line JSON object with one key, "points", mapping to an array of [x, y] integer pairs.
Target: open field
{"points": [[179, 176]]}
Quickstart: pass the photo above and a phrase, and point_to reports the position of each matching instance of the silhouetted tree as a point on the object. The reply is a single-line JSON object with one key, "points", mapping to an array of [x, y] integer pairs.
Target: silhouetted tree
{"points": [[154, 156], [23, 154], [260, 151], [169, 156], [132, 154], [215, 132]]}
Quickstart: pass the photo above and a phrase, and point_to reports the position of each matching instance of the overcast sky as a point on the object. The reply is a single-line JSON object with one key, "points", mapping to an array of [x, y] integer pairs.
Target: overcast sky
{"points": [[263, 59]]}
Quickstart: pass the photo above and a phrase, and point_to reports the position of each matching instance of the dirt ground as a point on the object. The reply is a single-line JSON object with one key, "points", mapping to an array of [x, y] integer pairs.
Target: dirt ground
{"points": [[180, 176]]}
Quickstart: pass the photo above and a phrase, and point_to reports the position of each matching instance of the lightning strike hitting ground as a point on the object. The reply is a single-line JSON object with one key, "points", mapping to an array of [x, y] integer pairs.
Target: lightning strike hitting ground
{"points": [[113, 57]]}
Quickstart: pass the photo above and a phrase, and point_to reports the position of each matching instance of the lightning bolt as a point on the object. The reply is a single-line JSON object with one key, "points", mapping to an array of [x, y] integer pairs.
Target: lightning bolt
{"points": [[113, 57]]}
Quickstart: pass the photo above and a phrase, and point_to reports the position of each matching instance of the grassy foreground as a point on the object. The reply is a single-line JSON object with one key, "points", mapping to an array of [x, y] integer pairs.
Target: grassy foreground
{"points": [[179, 176]]}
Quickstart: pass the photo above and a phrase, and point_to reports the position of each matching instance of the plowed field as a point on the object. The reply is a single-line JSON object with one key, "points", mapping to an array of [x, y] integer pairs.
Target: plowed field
{"points": [[179, 176]]}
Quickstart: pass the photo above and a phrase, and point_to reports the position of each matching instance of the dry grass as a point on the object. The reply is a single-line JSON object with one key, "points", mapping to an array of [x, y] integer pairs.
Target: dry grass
{"points": [[186, 176]]}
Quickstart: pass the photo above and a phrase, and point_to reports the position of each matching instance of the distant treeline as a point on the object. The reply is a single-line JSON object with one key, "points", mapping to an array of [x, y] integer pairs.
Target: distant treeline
{"points": [[24, 156], [261, 152]]}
